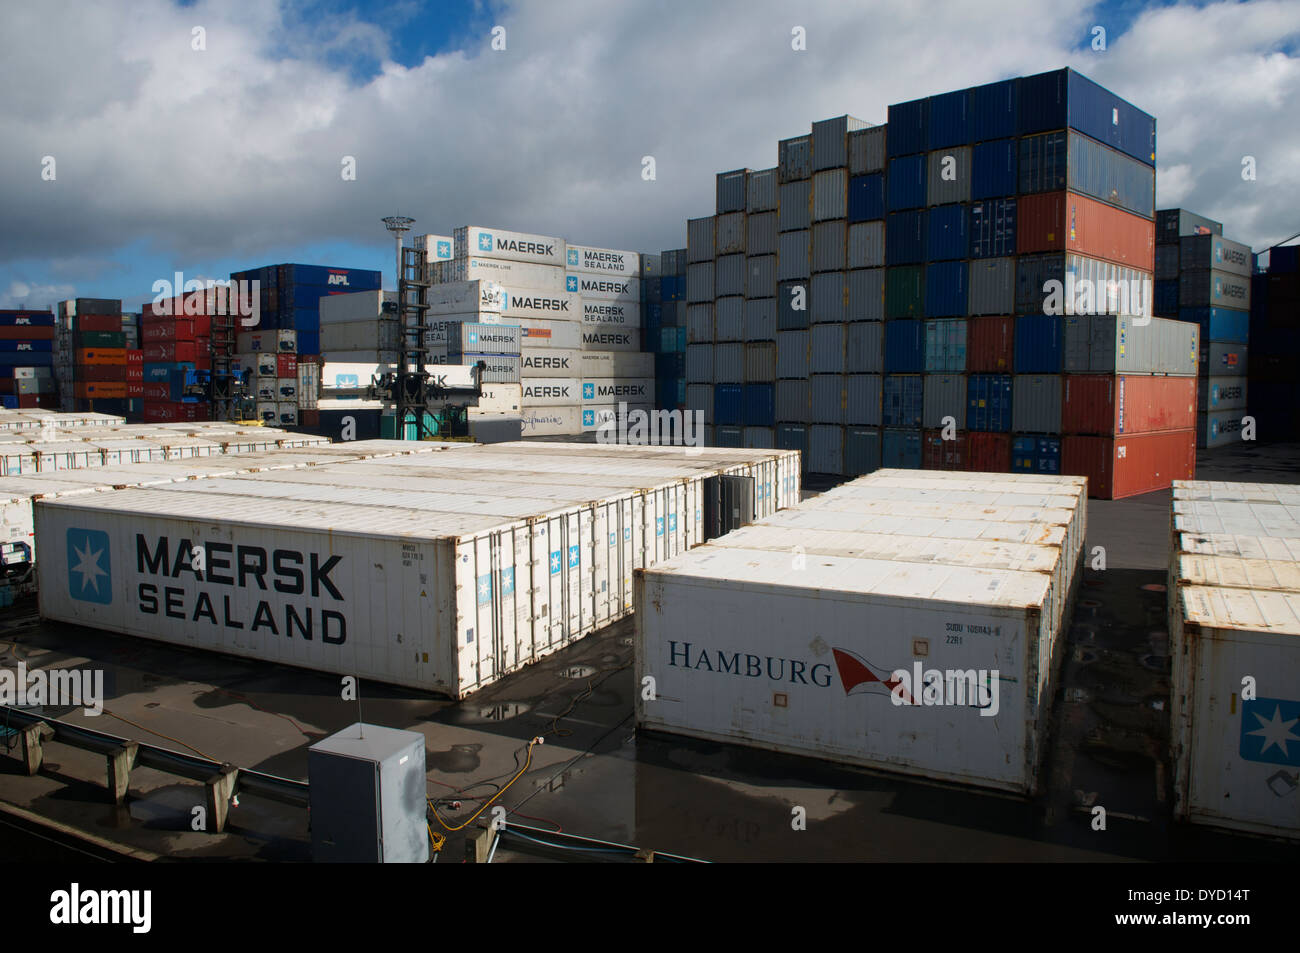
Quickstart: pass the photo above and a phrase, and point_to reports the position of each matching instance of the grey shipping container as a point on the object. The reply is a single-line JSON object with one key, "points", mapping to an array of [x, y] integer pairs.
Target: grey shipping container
{"points": [[760, 362], [992, 286], [699, 364], [794, 158], [1119, 344], [792, 256], [759, 438], [830, 195], [867, 150], [699, 239], [1223, 359], [830, 141], [866, 245], [793, 401], [1216, 252], [827, 348], [731, 191], [791, 305], [864, 347], [760, 319], [699, 324], [1167, 262], [761, 229], [699, 397], [794, 437], [827, 398], [1221, 393], [949, 176], [1219, 429], [862, 399], [728, 275], [828, 242], [944, 395], [729, 363], [828, 293], [761, 189], [1213, 289], [1036, 404], [1173, 223], [792, 354], [729, 234], [861, 450], [866, 295], [699, 282], [795, 211], [760, 276], [729, 319], [826, 449]]}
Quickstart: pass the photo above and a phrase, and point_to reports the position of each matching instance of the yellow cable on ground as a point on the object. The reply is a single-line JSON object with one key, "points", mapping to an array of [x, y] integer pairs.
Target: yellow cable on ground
{"points": [[527, 761]]}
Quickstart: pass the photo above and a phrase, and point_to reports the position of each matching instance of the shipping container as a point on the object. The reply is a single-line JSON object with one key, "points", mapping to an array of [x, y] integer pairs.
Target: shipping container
{"points": [[1066, 221], [1173, 223], [990, 344], [1223, 358], [904, 347], [731, 191], [551, 334], [761, 191], [1220, 429], [1057, 161], [699, 283], [866, 245], [830, 141], [761, 234], [729, 363], [729, 319], [1118, 467], [901, 449], [902, 398], [866, 295], [866, 148], [990, 452], [794, 158], [699, 364], [949, 119], [993, 169], [1166, 259], [760, 363], [728, 405], [948, 176], [472, 240], [904, 292], [699, 399], [1039, 347], [945, 289], [1166, 298], [938, 453], [828, 349], [601, 364], [1036, 402], [946, 235], [729, 234], [795, 210], [792, 257], [944, 401], [862, 399], [994, 110], [791, 305], [1115, 405], [1220, 394], [992, 286], [792, 437], [512, 274], [866, 201], [945, 346], [905, 184], [909, 129], [728, 275], [827, 395], [988, 402], [828, 241], [1065, 98], [828, 297], [1227, 325], [760, 319], [992, 228], [1213, 289], [906, 236], [825, 449], [1034, 454], [864, 348], [1110, 344], [699, 240], [830, 195], [861, 450], [793, 401]]}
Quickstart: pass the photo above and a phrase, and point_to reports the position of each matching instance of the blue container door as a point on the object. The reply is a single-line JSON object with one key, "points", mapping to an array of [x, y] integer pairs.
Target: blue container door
{"points": [[906, 185], [867, 198], [946, 231], [908, 125], [1039, 346], [993, 110], [901, 449], [728, 409], [905, 238], [945, 289], [950, 119], [904, 346], [993, 169]]}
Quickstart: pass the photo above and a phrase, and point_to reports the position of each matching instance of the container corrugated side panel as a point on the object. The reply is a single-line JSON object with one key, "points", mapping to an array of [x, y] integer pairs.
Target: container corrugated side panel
{"points": [[1039, 347], [827, 393], [1036, 403], [792, 354], [993, 169], [1166, 263], [1218, 393], [830, 141], [992, 286], [729, 234], [729, 363], [994, 109], [700, 324], [948, 176], [906, 235], [828, 245], [1069, 222], [793, 401], [904, 347], [760, 320], [904, 292], [729, 319], [793, 437], [901, 449], [792, 305], [1215, 289], [862, 399], [699, 364], [729, 275], [866, 149], [699, 239], [760, 276], [699, 397], [795, 210], [830, 194], [945, 289], [866, 245], [699, 282], [864, 348], [760, 362], [905, 183], [866, 295], [762, 232], [794, 158], [902, 397], [944, 396], [950, 120], [992, 228], [1103, 173], [826, 449], [761, 191], [792, 260], [861, 450], [828, 348], [828, 297], [908, 125]]}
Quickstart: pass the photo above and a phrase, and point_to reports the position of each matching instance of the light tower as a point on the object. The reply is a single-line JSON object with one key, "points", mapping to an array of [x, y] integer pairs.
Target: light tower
{"points": [[398, 225]]}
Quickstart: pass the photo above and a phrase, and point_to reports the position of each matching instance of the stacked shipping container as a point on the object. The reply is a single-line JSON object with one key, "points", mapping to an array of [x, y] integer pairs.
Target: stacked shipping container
{"points": [[1275, 338], [27, 360], [90, 355]]}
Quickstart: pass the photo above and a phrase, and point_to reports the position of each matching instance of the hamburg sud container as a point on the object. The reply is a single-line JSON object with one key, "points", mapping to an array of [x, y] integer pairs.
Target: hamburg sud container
{"points": [[1234, 618], [919, 652], [441, 578]]}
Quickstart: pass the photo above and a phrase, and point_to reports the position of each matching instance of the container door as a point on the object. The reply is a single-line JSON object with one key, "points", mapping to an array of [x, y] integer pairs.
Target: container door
{"points": [[517, 589], [602, 558], [572, 556]]}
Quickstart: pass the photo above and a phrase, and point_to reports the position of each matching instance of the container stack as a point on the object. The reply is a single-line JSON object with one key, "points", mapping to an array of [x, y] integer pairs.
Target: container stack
{"points": [[176, 359], [90, 356], [1234, 621], [665, 326], [1275, 333], [27, 360], [268, 361], [1204, 278]]}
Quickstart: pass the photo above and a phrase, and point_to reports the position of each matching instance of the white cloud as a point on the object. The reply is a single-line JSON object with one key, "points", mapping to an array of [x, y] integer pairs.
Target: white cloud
{"points": [[229, 151], [21, 295]]}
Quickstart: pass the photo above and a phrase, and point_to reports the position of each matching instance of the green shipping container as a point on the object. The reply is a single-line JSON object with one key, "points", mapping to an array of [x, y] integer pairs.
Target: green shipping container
{"points": [[101, 339], [388, 427], [905, 292]]}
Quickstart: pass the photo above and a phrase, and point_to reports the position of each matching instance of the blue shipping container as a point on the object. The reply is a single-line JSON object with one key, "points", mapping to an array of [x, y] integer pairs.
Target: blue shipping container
{"points": [[1165, 302], [901, 449], [950, 120], [945, 289], [904, 346], [993, 169], [908, 128], [1032, 273], [906, 184], [760, 405], [993, 110], [728, 405], [336, 279], [992, 228], [947, 236], [30, 347], [1036, 455], [867, 197], [1064, 98], [308, 342], [10, 401], [905, 238], [1219, 324], [988, 406], [161, 373], [43, 319], [901, 400], [301, 319], [1284, 260], [1040, 344], [670, 364], [26, 358]]}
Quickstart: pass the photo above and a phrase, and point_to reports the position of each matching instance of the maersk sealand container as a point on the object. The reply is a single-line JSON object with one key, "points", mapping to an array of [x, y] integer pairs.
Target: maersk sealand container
{"points": [[1066, 99]]}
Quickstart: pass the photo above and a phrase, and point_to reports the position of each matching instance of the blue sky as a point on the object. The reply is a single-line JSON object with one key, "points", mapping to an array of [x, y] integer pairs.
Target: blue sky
{"points": [[226, 158]]}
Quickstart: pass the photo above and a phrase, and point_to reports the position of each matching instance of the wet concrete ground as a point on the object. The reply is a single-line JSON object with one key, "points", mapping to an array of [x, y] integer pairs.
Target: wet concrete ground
{"points": [[595, 776]]}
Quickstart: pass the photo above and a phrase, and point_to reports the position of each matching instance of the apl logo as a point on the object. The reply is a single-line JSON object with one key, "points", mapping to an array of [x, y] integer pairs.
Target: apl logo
{"points": [[90, 573], [570, 283], [588, 391], [573, 258], [444, 250], [337, 279], [484, 241], [1268, 731]]}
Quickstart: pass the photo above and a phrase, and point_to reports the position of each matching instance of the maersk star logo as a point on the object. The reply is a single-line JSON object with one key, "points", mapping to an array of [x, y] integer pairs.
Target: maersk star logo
{"points": [[555, 561], [485, 589], [484, 241], [473, 337], [1268, 731], [573, 258], [90, 574], [508, 581], [444, 250], [573, 556], [588, 392], [570, 283], [589, 418]]}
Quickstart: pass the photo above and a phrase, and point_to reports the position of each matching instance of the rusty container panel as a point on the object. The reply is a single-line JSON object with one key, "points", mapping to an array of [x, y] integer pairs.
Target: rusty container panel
{"points": [[1068, 221], [1120, 404], [990, 343], [1117, 467]]}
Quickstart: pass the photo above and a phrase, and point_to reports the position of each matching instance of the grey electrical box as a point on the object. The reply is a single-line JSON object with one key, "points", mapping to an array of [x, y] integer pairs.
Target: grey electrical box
{"points": [[367, 793]]}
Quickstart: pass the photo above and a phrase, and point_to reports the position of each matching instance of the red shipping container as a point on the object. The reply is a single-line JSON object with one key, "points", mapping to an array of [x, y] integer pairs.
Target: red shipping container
{"points": [[309, 418], [135, 357], [167, 411], [940, 454], [1127, 404], [1117, 467], [155, 390], [286, 365], [135, 388], [26, 332], [99, 372], [26, 401], [1067, 221], [90, 356], [988, 452], [169, 352], [91, 390], [175, 329], [990, 343], [97, 322]]}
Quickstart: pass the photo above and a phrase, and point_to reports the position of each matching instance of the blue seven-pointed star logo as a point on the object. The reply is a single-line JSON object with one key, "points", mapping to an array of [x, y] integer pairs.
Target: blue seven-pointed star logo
{"points": [[90, 577]]}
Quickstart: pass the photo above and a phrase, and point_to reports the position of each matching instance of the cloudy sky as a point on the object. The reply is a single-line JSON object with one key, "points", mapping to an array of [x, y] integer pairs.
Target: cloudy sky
{"points": [[206, 160]]}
